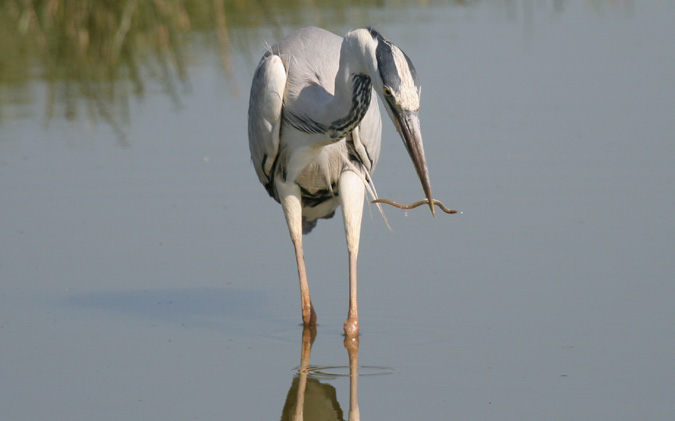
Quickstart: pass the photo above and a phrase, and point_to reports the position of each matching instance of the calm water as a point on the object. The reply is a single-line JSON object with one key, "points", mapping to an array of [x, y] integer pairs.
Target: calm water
{"points": [[145, 274]]}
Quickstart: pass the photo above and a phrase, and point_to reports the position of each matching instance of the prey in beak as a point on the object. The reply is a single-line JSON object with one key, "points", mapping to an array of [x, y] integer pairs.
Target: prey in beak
{"points": [[408, 126], [400, 90]]}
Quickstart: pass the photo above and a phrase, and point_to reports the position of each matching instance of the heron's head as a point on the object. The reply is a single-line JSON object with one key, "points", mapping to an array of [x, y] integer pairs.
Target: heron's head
{"points": [[395, 80]]}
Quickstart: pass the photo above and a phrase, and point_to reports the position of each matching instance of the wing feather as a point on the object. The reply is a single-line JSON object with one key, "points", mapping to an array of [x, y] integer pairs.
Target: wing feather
{"points": [[264, 116]]}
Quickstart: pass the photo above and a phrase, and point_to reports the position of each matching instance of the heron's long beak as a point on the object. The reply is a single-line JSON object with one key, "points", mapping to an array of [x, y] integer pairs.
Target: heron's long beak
{"points": [[408, 124]]}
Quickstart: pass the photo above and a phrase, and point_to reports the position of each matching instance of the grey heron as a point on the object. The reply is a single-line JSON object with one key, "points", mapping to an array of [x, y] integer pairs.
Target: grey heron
{"points": [[315, 132]]}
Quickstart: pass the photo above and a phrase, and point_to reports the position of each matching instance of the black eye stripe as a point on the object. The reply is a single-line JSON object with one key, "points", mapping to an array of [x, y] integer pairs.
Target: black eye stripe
{"points": [[386, 64]]}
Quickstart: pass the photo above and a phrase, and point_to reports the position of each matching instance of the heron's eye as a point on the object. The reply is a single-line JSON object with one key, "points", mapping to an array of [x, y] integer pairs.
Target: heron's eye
{"points": [[388, 92]]}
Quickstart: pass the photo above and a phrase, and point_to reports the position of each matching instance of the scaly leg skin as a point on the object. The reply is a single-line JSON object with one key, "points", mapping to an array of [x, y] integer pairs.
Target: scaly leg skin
{"points": [[292, 206], [352, 194], [352, 346], [308, 313]]}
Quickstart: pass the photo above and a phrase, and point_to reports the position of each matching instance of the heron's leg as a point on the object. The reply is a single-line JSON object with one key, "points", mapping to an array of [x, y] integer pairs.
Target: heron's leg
{"points": [[291, 202], [352, 193], [308, 336], [352, 346]]}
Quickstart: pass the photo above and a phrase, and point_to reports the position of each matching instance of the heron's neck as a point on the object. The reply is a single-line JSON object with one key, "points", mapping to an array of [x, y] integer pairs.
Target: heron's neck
{"points": [[353, 86], [350, 102]]}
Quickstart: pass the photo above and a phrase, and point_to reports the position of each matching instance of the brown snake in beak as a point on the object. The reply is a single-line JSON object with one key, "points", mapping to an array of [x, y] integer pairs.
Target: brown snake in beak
{"points": [[414, 205]]}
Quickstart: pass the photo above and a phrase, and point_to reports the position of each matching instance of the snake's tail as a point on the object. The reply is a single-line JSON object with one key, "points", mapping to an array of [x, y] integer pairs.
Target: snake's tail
{"points": [[413, 205]]}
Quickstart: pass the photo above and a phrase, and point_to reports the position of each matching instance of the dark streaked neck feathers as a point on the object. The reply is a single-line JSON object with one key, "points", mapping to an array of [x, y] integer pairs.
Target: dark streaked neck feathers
{"points": [[352, 90]]}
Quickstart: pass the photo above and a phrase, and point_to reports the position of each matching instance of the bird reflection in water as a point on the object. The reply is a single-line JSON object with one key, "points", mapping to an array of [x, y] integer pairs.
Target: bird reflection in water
{"points": [[309, 399]]}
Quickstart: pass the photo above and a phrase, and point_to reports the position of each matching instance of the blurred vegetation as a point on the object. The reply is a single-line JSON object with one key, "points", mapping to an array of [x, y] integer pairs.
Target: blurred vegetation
{"points": [[95, 56], [96, 50]]}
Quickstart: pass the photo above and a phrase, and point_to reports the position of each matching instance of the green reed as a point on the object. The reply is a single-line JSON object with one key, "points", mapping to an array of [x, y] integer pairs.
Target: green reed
{"points": [[94, 56]]}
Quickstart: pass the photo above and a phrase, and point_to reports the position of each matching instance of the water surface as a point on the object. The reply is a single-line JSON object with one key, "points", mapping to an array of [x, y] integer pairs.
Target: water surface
{"points": [[145, 274]]}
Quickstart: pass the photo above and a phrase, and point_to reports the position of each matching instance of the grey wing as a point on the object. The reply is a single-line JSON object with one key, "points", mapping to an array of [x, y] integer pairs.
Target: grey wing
{"points": [[264, 116]]}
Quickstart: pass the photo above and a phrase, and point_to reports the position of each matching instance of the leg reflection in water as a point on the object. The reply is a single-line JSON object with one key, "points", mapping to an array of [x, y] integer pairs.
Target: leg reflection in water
{"points": [[309, 399]]}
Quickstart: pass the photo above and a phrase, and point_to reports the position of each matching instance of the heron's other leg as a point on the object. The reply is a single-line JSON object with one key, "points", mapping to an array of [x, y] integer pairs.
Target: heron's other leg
{"points": [[291, 202], [352, 193]]}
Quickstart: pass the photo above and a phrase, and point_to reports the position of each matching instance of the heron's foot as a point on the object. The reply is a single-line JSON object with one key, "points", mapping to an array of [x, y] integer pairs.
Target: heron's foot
{"points": [[309, 316], [352, 327]]}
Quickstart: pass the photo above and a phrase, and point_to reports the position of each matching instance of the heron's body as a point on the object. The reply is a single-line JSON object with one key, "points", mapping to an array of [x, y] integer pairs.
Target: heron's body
{"points": [[315, 131], [308, 91]]}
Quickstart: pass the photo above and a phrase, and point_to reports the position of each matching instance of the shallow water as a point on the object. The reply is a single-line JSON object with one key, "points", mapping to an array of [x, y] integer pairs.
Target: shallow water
{"points": [[148, 276]]}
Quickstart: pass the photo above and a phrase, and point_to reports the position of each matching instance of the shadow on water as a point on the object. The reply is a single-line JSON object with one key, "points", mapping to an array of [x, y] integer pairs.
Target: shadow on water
{"points": [[200, 307], [310, 399]]}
